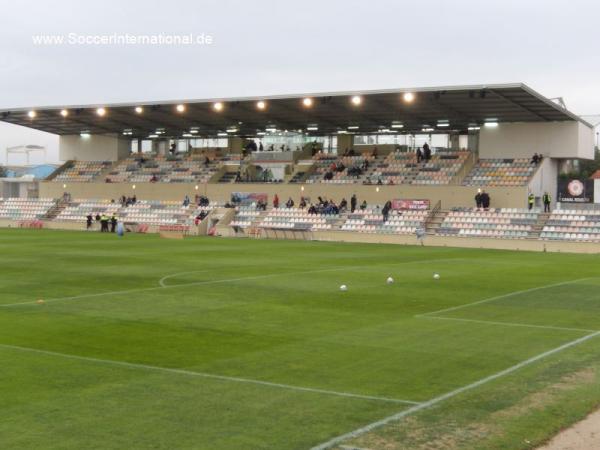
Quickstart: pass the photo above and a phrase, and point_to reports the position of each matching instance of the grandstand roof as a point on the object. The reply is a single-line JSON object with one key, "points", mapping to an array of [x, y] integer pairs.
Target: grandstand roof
{"points": [[460, 107]]}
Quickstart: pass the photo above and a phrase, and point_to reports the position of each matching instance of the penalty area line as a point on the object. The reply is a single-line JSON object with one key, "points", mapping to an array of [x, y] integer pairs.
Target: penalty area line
{"points": [[395, 417], [500, 297], [507, 324], [150, 368]]}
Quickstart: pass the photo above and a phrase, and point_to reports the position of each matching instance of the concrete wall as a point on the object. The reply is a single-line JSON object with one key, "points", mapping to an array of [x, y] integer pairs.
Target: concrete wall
{"points": [[93, 148], [507, 197], [552, 139], [545, 180]]}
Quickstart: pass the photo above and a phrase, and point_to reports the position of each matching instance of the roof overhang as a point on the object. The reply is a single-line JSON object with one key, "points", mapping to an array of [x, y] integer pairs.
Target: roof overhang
{"points": [[460, 107]]}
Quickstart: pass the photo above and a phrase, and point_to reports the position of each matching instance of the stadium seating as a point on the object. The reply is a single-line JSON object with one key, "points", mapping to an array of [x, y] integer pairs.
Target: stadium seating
{"points": [[163, 170], [298, 219], [402, 168], [500, 172], [25, 209], [496, 223], [82, 171], [143, 211], [371, 221], [160, 213], [325, 163], [244, 216], [78, 210], [581, 225]]}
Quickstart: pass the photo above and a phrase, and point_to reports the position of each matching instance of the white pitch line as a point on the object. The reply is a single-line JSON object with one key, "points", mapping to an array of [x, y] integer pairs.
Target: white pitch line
{"points": [[372, 426], [499, 297], [508, 324], [192, 373], [161, 282], [199, 283]]}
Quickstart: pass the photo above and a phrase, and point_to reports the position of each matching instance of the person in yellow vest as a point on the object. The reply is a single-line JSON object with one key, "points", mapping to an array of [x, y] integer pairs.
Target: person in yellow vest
{"points": [[530, 200], [547, 200]]}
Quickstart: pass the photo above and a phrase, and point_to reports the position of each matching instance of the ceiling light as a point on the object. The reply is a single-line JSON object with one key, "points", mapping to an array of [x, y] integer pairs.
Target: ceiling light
{"points": [[408, 97], [221, 134], [153, 136], [356, 100], [474, 128], [139, 109], [84, 134], [180, 108], [312, 128], [218, 106], [427, 129], [307, 102], [260, 133], [186, 135], [397, 125], [491, 124], [261, 105], [32, 114], [194, 131], [101, 112], [64, 112], [232, 130], [353, 127]]}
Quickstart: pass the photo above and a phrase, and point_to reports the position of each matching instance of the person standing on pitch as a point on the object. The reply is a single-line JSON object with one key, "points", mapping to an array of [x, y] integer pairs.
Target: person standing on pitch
{"points": [[547, 200], [88, 221], [530, 200], [113, 223]]}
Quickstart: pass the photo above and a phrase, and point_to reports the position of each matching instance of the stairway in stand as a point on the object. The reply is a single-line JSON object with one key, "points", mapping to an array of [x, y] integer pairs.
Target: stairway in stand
{"points": [[536, 229], [434, 223]]}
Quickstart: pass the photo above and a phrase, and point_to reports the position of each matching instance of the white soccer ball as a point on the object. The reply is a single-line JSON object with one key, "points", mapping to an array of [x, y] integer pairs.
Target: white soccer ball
{"points": [[343, 288], [390, 280], [436, 276]]}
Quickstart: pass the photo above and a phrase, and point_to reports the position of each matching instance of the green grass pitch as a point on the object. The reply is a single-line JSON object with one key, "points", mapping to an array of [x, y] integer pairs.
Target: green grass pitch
{"points": [[220, 344]]}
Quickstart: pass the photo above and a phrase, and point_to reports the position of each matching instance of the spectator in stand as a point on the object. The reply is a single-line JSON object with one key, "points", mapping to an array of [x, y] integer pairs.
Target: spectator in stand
{"points": [[173, 149], [186, 201], [343, 205], [302, 203], [363, 205], [88, 221], [379, 181], [535, 159], [419, 155], [289, 203], [312, 209], [478, 199], [375, 153], [206, 161], [547, 200], [485, 200], [426, 152], [154, 179], [386, 210], [276, 201], [353, 202], [134, 199]]}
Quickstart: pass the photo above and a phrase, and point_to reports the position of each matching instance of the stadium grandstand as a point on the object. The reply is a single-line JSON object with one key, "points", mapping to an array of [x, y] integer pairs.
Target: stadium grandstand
{"points": [[372, 166]]}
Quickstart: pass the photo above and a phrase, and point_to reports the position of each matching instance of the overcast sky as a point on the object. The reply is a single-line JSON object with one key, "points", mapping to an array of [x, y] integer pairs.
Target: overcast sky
{"points": [[262, 47]]}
